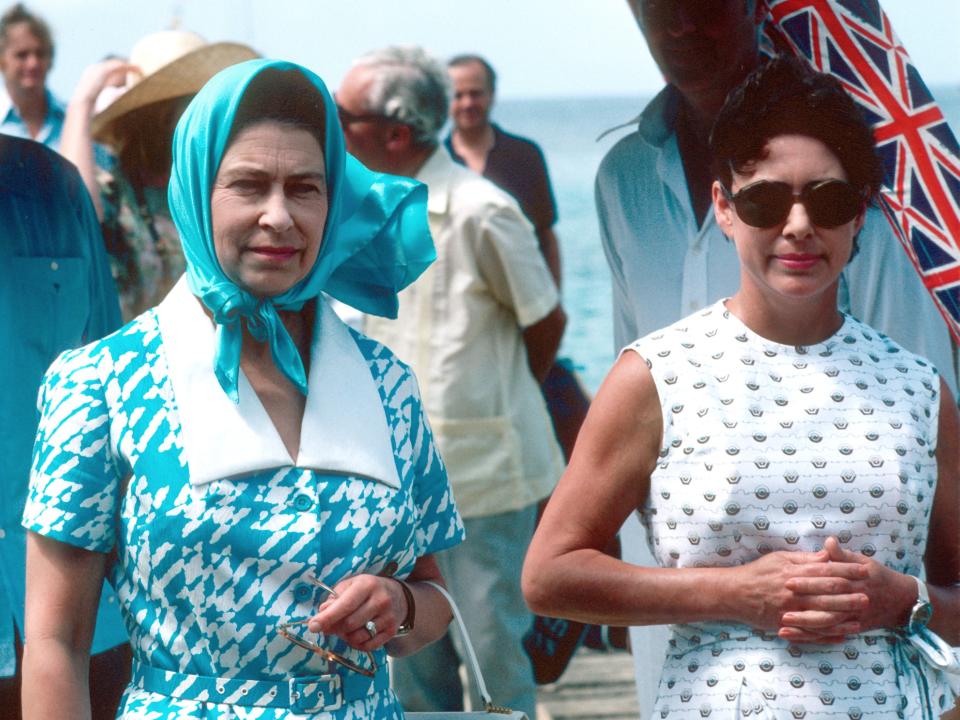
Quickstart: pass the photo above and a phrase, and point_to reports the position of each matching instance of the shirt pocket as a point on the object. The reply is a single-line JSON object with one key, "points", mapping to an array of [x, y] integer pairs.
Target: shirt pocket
{"points": [[53, 303], [482, 456]]}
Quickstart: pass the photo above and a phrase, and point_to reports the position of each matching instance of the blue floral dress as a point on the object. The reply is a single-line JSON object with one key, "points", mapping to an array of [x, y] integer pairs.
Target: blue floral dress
{"points": [[206, 570]]}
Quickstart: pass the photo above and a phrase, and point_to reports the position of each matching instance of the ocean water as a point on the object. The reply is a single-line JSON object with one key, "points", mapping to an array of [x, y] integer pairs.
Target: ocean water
{"points": [[567, 132]]}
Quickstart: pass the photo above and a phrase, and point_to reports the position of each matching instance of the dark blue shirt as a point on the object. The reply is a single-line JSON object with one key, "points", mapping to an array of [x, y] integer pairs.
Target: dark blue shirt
{"points": [[516, 165]]}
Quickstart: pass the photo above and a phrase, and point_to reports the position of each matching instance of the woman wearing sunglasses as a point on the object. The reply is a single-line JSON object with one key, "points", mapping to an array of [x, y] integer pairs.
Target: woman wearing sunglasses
{"points": [[796, 470], [258, 482]]}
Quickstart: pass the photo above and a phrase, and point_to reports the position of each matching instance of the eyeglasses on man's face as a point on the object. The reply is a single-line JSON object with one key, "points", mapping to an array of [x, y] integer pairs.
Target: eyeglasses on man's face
{"points": [[350, 118], [288, 631]]}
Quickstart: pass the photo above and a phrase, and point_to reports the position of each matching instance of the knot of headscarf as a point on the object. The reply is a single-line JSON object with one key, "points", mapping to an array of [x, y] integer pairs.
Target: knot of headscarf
{"points": [[231, 307], [376, 240]]}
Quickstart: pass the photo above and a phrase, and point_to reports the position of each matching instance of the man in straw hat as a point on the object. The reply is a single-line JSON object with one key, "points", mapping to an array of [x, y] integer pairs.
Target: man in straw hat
{"points": [[164, 71], [27, 108]]}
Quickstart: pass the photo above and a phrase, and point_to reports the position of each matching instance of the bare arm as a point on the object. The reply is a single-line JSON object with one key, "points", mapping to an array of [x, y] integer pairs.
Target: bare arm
{"points": [[77, 142], [567, 574], [63, 589], [381, 599], [550, 248], [543, 340]]}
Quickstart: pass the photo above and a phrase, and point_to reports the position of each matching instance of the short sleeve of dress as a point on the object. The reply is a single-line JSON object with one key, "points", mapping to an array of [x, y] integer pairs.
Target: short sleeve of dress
{"points": [[440, 526], [74, 480]]}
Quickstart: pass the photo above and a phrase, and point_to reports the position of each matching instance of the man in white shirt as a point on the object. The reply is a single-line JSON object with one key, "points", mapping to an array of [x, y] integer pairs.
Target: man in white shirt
{"points": [[480, 328], [667, 256]]}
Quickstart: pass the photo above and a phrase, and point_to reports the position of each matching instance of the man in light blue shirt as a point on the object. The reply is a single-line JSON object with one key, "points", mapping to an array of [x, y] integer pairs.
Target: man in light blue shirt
{"points": [[27, 108], [56, 292]]}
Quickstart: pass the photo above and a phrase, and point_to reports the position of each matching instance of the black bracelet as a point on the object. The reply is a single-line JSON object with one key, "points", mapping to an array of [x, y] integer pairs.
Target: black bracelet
{"points": [[406, 627]]}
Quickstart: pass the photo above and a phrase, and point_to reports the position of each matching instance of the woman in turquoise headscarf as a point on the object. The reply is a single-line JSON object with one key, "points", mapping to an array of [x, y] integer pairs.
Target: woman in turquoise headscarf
{"points": [[257, 481]]}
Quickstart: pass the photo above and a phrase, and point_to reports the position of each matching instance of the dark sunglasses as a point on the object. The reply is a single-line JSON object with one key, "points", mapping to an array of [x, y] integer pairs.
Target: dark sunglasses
{"points": [[766, 204], [348, 118]]}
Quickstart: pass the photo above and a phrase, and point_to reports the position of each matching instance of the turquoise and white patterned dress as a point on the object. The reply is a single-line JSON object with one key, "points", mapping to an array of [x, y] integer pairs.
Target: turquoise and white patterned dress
{"points": [[768, 447], [216, 531]]}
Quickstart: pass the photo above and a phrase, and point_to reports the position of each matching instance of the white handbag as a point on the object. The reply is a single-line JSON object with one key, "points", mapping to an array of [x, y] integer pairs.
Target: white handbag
{"points": [[490, 711]]}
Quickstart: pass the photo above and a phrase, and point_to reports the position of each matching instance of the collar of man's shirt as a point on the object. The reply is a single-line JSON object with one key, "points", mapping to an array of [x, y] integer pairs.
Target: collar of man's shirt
{"points": [[9, 114], [435, 174], [657, 120]]}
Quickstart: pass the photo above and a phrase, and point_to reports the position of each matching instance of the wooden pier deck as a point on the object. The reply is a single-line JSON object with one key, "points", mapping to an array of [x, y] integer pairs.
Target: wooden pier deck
{"points": [[596, 686]]}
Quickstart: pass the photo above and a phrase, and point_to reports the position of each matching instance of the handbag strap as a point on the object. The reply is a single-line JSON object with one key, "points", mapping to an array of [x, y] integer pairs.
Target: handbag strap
{"points": [[471, 655]]}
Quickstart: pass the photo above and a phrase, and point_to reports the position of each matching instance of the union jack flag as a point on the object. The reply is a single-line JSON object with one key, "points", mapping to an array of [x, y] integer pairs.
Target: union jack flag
{"points": [[853, 41]]}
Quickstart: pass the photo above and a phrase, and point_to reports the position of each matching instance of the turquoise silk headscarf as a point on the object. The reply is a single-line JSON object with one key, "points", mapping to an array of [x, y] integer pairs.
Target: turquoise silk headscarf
{"points": [[376, 240]]}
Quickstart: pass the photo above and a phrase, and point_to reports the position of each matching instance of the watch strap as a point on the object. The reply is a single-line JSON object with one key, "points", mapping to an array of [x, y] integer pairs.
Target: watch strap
{"points": [[922, 609], [407, 625]]}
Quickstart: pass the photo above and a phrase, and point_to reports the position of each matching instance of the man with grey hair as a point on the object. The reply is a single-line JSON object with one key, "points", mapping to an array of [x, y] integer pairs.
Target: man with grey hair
{"points": [[481, 328]]}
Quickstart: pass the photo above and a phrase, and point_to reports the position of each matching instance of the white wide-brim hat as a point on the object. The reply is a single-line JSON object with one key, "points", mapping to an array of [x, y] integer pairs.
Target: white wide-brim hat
{"points": [[171, 64]]}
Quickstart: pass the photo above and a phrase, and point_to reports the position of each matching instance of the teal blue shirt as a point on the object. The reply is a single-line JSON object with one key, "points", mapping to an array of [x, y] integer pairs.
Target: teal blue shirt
{"points": [[55, 293]]}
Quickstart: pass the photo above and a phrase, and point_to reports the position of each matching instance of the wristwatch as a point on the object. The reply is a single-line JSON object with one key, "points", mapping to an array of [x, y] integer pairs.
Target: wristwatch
{"points": [[406, 627], [922, 610]]}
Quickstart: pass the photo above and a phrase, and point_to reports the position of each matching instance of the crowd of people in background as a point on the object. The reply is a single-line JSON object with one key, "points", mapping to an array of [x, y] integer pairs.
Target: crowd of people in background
{"points": [[296, 357]]}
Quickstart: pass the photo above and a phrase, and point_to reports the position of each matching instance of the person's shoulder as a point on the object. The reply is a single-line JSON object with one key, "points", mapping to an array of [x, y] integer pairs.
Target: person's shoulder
{"points": [[516, 143], [649, 131], [881, 348], [387, 369], [34, 171], [685, 332], [470, 191], [468, 196], [624, 157], [119, 349]]}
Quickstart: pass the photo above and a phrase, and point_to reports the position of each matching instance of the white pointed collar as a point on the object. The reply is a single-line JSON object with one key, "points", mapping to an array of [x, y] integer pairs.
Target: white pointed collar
{"points": [[344, 425]]}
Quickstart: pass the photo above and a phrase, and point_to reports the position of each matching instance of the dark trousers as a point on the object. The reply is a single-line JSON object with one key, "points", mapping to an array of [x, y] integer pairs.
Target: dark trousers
{"points": [[109, 674]]}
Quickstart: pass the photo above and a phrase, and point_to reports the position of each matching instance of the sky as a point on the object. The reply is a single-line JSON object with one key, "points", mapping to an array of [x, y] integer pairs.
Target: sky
{"points": [[541, 48]]}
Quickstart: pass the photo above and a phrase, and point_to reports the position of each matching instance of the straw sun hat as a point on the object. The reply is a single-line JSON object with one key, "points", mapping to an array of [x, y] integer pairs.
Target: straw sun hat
{"points": [[172, 63]]}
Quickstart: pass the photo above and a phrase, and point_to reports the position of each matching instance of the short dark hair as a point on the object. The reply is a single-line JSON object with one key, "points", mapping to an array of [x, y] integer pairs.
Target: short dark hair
{"points": [[38, 27], [284, 96], [784, 96], [467, 58]]}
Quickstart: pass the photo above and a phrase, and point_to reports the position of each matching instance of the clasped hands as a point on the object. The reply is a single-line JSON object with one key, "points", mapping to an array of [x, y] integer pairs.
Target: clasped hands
{"points": [[824, 596], [356, 602]]}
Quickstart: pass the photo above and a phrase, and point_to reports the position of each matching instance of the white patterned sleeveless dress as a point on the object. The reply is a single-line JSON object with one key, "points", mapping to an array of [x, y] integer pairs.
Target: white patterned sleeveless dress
{"points": [[769, 447]]}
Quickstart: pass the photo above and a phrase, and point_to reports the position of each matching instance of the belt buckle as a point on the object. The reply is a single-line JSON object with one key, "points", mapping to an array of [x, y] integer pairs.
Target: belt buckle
{"points": [[300, 695]]}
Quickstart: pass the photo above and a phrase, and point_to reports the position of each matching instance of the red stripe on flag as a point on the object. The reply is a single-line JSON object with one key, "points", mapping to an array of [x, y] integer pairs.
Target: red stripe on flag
{"points": [[905, 123]]}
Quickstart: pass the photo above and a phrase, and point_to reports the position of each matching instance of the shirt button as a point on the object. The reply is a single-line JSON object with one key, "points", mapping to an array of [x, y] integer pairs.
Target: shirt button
{"points": [[54, 265], [693, 306], [302, 593], [3, 533], [302, 502]]}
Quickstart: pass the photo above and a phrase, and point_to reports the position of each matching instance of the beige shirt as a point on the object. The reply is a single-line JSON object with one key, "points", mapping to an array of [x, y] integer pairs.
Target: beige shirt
{"points": [[460, 327]]}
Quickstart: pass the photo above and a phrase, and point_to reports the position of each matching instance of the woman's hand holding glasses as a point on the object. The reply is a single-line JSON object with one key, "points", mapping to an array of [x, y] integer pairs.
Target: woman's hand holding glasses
{"points": [[365, 611]]}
